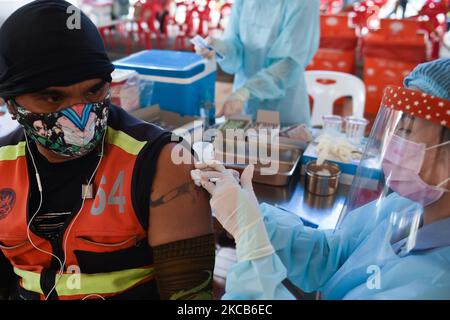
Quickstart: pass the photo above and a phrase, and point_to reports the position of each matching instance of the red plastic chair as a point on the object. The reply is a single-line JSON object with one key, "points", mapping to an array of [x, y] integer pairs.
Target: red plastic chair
{"points": [[225, 13], [181, 26], [199, 20], [120, 28], [331, 6], [432, 21], [365, 15], [146, 23], [364, 12]]}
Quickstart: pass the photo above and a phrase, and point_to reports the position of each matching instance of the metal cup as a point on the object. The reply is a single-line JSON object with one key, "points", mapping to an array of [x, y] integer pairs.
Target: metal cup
{"points": [[319, 183]]}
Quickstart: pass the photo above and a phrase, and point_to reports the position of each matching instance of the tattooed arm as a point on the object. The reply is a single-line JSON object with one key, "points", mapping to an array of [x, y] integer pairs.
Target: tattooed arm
{"points": [[178, 209], [180, 232]]}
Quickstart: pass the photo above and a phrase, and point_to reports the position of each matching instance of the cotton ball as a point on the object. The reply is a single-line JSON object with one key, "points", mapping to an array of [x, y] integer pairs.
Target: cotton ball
{"points": [[196, 177]]}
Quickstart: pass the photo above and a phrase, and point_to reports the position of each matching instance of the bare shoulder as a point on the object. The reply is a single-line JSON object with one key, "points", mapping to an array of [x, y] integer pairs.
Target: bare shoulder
{"points": [[178, 209]]}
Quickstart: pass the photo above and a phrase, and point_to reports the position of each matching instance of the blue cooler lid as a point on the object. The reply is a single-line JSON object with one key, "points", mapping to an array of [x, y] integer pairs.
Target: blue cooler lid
{"points": [[163, 63]]}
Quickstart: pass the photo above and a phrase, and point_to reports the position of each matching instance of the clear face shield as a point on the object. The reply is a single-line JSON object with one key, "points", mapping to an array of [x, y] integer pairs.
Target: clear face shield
{"points": [[404, 175]]}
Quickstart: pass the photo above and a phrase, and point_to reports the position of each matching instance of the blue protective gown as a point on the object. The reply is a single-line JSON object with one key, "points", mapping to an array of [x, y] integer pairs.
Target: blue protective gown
{"points": [[268, 44], [355, 262]]}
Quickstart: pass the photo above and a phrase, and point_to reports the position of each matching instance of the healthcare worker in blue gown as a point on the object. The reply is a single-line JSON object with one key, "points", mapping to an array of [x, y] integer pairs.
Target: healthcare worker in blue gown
{"points": [[393, 238], [267, 45]]}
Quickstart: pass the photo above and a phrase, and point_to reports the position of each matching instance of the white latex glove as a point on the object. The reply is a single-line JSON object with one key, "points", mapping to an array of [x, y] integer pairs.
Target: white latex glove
{"points": [[235, 103], [216, 44], [211, 168], [205, 53], [237, 209]]}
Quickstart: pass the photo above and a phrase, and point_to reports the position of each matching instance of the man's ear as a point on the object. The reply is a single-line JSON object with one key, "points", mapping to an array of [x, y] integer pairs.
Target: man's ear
{"points": [[12, 109]]}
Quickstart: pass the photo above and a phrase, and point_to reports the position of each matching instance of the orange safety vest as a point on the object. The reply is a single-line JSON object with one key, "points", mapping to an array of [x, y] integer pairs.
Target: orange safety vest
{"points": [[106, 249]]}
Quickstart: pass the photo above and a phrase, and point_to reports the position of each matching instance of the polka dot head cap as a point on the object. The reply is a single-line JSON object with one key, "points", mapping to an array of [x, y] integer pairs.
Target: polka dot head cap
{"points": [[418, 104]]}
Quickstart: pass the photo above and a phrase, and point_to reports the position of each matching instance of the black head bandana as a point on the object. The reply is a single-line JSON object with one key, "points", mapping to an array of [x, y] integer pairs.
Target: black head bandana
{"points": [[48, 43]]}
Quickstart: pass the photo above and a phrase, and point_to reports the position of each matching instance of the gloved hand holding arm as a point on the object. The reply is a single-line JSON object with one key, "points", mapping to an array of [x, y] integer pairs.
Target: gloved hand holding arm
{"points": [[260, 272], [236, 208], [307, 257]]}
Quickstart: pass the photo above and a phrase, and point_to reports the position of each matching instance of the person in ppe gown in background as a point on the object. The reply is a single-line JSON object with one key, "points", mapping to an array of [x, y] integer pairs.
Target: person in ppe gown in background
{"points": [[393, 237], [267, 45]]}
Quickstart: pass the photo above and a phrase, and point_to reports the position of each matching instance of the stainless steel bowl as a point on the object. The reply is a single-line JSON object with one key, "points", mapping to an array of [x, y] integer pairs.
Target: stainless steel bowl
{"points": [[314, 201], [317, 182]]}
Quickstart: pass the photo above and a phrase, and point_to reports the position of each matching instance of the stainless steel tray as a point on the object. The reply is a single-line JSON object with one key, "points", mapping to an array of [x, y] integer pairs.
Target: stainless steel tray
{"points": [[289, 159]]}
